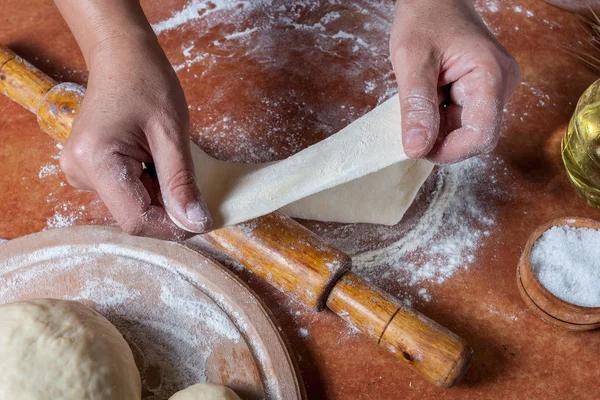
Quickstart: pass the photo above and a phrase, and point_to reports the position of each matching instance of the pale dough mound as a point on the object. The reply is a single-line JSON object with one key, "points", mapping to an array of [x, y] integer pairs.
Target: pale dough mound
{"points": [[206, 391], [56, 349]]}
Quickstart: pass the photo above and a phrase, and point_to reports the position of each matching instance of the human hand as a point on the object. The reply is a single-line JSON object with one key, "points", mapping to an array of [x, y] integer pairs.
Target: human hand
{"points": [[135, 112], [454, 79]]}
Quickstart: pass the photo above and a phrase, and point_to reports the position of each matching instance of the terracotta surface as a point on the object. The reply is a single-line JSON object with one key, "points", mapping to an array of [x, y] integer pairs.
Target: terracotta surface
{"points": [[286, 88]]}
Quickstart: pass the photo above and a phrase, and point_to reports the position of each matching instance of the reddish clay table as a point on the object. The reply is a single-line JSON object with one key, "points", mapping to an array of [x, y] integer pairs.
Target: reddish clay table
{"points": [[265, 80]]}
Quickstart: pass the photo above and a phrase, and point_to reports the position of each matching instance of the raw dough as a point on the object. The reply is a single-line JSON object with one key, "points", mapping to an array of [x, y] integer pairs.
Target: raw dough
{"points": [[56, 349], [360, 174], [205, 391]]}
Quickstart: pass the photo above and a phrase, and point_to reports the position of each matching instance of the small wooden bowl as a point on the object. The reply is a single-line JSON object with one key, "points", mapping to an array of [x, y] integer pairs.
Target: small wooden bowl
{"points": [[544, 304]]}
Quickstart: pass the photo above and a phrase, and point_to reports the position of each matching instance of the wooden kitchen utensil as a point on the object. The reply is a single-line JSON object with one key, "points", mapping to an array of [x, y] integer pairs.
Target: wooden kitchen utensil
{"points": [[544, 304], [278, 249]]}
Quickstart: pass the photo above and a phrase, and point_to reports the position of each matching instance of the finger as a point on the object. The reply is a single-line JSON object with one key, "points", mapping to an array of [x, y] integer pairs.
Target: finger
{"points": [[177, 178], [78, 184], [481, 98], [129, 202], [74, 173], [417, 77]]}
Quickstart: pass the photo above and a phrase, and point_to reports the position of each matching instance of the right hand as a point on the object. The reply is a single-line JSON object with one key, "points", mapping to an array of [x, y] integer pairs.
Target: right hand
{"points": [[135, 112], [454, 79]]}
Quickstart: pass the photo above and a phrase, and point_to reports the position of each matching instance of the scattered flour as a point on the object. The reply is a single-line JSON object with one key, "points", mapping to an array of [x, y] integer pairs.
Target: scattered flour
{"points": [[424, 294], [197, 9], [240, 34], [566, 260], [442, 241], [278, 41], [65, 214], [60, 220], [510, 317], [48, 170], [330, 17], [303, 332], [487, 5]]}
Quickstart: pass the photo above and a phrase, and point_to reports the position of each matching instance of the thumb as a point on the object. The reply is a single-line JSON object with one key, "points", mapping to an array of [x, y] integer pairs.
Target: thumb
{"points": [[177, 178], [417, 84]]}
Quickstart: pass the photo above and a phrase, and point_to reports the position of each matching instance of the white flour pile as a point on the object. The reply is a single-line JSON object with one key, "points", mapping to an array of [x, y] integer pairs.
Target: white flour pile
{"points": [[171, 328], [445, 239], [448, 233], [566, 261]]}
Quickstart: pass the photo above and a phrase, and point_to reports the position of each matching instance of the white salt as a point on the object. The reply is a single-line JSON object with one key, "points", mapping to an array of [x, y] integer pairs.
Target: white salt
{"points": [[566, 261]]}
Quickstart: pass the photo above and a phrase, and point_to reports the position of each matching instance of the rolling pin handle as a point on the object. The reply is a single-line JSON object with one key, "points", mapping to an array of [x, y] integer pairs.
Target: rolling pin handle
{"points": [[21, 81], [58, 109], [431, 350]]}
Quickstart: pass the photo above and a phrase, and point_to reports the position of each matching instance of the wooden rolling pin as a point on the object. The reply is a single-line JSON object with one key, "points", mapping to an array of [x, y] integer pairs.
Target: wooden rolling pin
{"points": [[278, 249]]}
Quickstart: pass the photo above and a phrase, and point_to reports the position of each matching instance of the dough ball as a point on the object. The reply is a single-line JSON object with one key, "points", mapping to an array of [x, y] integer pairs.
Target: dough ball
{"points": [[206, 391], [57, 349]]}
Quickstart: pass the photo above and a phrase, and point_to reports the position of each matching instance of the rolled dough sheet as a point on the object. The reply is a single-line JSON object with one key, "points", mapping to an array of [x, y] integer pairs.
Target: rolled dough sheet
{"points": [[360, 174]]}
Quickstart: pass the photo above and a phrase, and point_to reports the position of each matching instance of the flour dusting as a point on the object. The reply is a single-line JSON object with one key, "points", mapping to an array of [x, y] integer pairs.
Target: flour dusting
{"points": [[65, 214], [447, 236], [280, 42], [197, 9], [411, 258], [171, 327], [48, 170], [507, 316]]}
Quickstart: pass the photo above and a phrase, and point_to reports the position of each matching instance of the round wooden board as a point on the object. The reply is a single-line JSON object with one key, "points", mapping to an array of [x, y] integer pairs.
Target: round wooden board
{"points": [[186, 318]]}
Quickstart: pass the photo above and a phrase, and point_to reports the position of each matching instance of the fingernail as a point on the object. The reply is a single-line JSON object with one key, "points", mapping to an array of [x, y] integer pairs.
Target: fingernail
{"points": [[198, 216], [416, 140]]}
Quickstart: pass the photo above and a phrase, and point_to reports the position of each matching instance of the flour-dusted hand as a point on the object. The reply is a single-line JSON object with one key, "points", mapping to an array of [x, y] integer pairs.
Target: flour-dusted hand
{"points": [[454, 79], [134, 112]]}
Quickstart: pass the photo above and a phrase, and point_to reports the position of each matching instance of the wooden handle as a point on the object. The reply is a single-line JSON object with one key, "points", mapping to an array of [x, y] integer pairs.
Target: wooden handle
{"points": [[428, 348], [21, 81], [55, 105], [285, 254], [278, 249], [294, 260]]}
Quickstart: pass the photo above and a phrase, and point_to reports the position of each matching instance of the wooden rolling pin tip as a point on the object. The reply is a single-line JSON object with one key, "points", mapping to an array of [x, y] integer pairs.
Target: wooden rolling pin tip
{"points": [[463, 363], [434, 352]]}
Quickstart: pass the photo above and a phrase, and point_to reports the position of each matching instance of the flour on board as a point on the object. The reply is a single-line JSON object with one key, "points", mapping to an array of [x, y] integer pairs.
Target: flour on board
{"points": [[65, 214], [458, 217], [48, 170], [171, 329]]}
